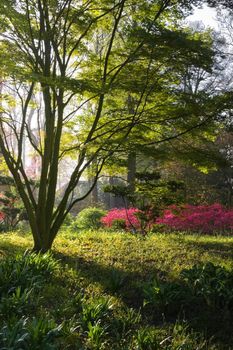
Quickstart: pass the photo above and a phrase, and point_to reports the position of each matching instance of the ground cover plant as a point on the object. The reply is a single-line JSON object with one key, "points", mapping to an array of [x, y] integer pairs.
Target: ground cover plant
{"points": [[102, 290]]}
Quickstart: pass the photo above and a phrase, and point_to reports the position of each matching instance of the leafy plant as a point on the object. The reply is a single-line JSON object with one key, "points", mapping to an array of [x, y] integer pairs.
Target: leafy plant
{"points": [[43, 333], [126, 322], [16, 303], [145, 339], [95, 334], [97, 310], [118, 224], [213, 283], [27, 335], [165, 294], [14, 336], [181, 337], [116, 281], [25, 271]]}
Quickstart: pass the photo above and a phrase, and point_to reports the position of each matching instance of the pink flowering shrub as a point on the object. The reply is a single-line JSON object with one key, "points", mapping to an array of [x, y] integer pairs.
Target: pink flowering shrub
{"points": [[202, 218], [128, 216]]}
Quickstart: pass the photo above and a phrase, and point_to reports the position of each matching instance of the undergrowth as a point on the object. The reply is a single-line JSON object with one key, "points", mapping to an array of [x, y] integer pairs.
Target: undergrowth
{"points": [[100, 290]]}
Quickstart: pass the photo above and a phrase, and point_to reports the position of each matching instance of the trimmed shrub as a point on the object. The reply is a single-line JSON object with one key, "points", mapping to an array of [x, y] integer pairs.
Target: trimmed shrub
{"points": [[89, 219]]}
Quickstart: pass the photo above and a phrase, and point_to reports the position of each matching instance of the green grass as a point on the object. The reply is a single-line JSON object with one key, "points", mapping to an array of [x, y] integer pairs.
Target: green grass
{"points": [[96, 298]]}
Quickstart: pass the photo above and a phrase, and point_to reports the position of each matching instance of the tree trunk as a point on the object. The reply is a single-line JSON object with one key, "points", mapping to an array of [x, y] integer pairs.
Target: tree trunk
{"points": [[131, 176]]}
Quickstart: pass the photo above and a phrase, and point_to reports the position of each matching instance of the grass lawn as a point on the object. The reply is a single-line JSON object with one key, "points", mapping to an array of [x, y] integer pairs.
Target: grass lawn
{"points": [[117, 291]]}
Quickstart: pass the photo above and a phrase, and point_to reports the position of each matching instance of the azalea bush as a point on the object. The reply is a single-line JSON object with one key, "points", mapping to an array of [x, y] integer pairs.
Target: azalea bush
{"points": [[128, 219], [202, 218]]}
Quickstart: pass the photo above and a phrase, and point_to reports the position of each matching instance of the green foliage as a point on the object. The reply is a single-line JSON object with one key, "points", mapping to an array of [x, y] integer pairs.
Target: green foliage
{"points": [[6, 180], [10, 210], [118, 224], [68, 220], [182, 337], [17, 303], [42, 333], [116, 281], [88, 218], [25, 271], [95, 311], [95, 335], [146, 339], [24, 334], [166, 296], [21, 278]]}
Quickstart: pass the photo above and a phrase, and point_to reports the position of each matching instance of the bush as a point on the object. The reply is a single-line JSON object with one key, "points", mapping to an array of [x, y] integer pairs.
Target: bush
{"points": [[207, 219], [89, 219], [122, 218]]}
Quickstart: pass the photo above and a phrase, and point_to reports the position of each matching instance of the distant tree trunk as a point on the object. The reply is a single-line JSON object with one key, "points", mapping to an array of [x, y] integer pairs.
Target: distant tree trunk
{"points": [[94, 195], [91, 180], [111, 196], [131, 175]]}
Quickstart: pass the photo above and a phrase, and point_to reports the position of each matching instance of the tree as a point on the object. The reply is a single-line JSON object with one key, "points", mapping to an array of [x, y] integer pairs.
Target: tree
{"points": [[54, 81]]}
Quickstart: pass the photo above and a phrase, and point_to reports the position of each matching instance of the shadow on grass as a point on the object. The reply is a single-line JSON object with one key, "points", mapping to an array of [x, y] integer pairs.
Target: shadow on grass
{"points": [[128, 286], [116, 281]]}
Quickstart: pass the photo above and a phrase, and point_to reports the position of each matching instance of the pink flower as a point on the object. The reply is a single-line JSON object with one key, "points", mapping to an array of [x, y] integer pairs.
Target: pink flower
{"points": [[203, 218], [127, 215]]}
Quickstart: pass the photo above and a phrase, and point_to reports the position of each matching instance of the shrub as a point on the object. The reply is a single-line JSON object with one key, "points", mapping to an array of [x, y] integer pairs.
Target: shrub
{"points": [[203, 219], [89, 219], [127, 218]]}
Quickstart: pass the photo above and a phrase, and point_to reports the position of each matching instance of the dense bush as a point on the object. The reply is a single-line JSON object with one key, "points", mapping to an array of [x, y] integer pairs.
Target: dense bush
{"points": [[203, 218], [89, 219], [122, 218]]}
